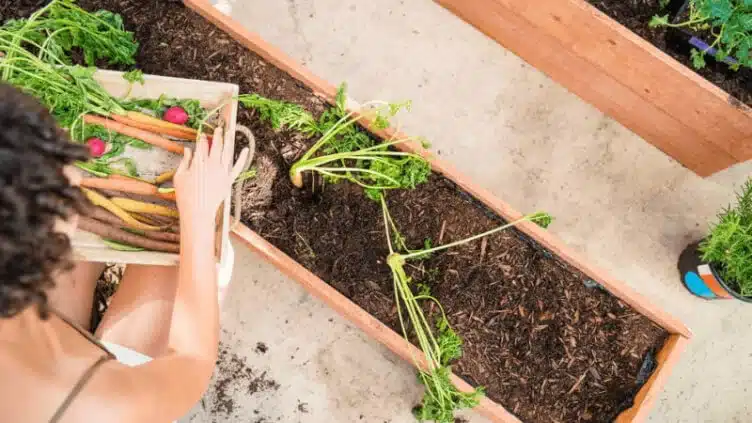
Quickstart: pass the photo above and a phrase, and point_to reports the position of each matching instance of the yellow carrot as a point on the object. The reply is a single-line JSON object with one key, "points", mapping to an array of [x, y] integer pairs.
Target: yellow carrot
{"points": [[136, 206], [101, 201], [164, 177], [160, 123]]}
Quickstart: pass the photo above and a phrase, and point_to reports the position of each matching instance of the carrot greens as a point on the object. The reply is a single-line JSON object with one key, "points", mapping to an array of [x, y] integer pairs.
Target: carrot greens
{"points": [[439, 343]]}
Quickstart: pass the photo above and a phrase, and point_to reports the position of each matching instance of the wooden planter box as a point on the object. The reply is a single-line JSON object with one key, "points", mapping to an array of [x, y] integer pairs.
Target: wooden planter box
{"points": [[667, 357], [670, 106]]}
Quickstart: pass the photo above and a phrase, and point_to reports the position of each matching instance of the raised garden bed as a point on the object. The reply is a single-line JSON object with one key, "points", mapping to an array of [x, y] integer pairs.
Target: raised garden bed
{"points": [[549, 336], [628, 75]]}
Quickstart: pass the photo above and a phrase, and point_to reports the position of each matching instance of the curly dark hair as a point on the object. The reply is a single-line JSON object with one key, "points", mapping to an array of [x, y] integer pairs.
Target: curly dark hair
{"points": [[34, 194]]}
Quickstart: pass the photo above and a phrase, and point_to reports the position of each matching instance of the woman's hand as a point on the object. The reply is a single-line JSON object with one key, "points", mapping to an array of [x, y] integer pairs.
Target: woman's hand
{"points": [[204, 179]]}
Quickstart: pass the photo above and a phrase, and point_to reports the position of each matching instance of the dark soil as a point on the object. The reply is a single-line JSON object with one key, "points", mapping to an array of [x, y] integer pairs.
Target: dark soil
{"points": [[545, 341], [635, 15]]}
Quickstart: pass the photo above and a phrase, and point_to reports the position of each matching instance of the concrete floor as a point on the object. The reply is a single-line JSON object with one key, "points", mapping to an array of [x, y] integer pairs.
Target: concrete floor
{"points": [[619, 201]]}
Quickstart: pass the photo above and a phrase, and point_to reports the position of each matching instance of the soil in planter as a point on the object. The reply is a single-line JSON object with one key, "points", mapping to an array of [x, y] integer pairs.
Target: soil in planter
{"points": [[544, 341], [636, 14]]}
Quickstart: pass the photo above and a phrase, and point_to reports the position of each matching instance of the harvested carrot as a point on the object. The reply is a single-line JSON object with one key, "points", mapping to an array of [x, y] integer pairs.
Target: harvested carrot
{"points": [[124, 184], [146, 219], [161, 236], [153, 121], [99, 213], [130, 221], [164, 177], [131, 205], [112, 233], [141, 134], [159, 220], [183, 135]]}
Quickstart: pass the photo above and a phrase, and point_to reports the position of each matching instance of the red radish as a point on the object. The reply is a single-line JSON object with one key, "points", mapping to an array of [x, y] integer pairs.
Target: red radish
{"points": [[176, 114], [97, 147]]}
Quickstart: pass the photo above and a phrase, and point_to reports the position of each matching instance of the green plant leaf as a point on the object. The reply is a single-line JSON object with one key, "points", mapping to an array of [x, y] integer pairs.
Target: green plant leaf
{"points": [[281, 115], [657, 21], [698, 59], [136, 75], [728, 246]]}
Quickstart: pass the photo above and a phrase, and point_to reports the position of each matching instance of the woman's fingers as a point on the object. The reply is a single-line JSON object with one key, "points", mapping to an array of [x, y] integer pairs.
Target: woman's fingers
{"points": [[185, 162], [216, 153], [237, 169], [202, 149]]}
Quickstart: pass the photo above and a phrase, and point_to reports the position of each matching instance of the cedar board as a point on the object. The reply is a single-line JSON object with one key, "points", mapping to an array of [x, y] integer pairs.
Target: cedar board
{"points": [[670, 106]]}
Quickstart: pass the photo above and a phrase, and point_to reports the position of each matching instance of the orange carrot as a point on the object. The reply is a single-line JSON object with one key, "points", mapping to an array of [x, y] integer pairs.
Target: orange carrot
{"points": [[141, 134], [128, 178], [183, 135], [132, 186]]}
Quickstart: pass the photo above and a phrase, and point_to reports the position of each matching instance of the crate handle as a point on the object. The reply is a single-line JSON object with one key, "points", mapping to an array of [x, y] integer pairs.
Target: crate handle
{"points": [[238, 193]]}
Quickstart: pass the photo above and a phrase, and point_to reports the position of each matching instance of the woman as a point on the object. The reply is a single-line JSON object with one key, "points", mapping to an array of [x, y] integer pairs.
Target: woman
{"points": [[52, 369]]}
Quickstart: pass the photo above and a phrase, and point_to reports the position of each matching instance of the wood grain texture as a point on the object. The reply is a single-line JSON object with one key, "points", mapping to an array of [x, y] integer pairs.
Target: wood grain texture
{"points": [[624, 76], [372, 326]]}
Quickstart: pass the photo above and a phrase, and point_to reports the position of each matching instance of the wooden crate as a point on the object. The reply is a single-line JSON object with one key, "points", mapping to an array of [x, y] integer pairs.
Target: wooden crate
{"points": [[667, 356], [667, 104], [89, 247]]}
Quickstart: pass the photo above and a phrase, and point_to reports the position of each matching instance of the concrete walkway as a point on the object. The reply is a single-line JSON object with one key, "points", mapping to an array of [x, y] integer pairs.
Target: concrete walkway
{"points": [[619, 201]]}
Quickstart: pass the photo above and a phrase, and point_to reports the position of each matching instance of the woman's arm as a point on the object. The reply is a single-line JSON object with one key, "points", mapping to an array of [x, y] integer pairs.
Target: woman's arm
{"points": [[167, 387]]}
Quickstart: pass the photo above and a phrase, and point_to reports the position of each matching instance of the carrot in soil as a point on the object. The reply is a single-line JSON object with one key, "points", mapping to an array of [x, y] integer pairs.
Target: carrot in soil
{"points": [[176, 133], [110, 232], [128, 220], [136, 206], [132, 186], [140, 134]]}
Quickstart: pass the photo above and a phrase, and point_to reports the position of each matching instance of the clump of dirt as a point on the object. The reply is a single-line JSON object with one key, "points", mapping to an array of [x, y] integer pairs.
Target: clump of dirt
{"points": [[233, 376], [261, 348]]}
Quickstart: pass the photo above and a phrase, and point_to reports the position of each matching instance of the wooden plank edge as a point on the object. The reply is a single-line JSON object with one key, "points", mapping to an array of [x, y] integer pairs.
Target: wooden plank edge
{"points": [[667, 359], [736, 122], [664, 131], [358, 316], [742, 110]]}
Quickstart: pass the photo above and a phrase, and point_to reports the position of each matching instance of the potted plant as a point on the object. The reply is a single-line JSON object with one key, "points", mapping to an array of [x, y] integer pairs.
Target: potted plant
{"points": [[542, 330], [606, 52], [720, 265]]}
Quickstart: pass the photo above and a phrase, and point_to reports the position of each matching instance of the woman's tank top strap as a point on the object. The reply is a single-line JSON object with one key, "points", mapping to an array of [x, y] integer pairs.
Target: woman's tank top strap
{"points": [[87, 374]]}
